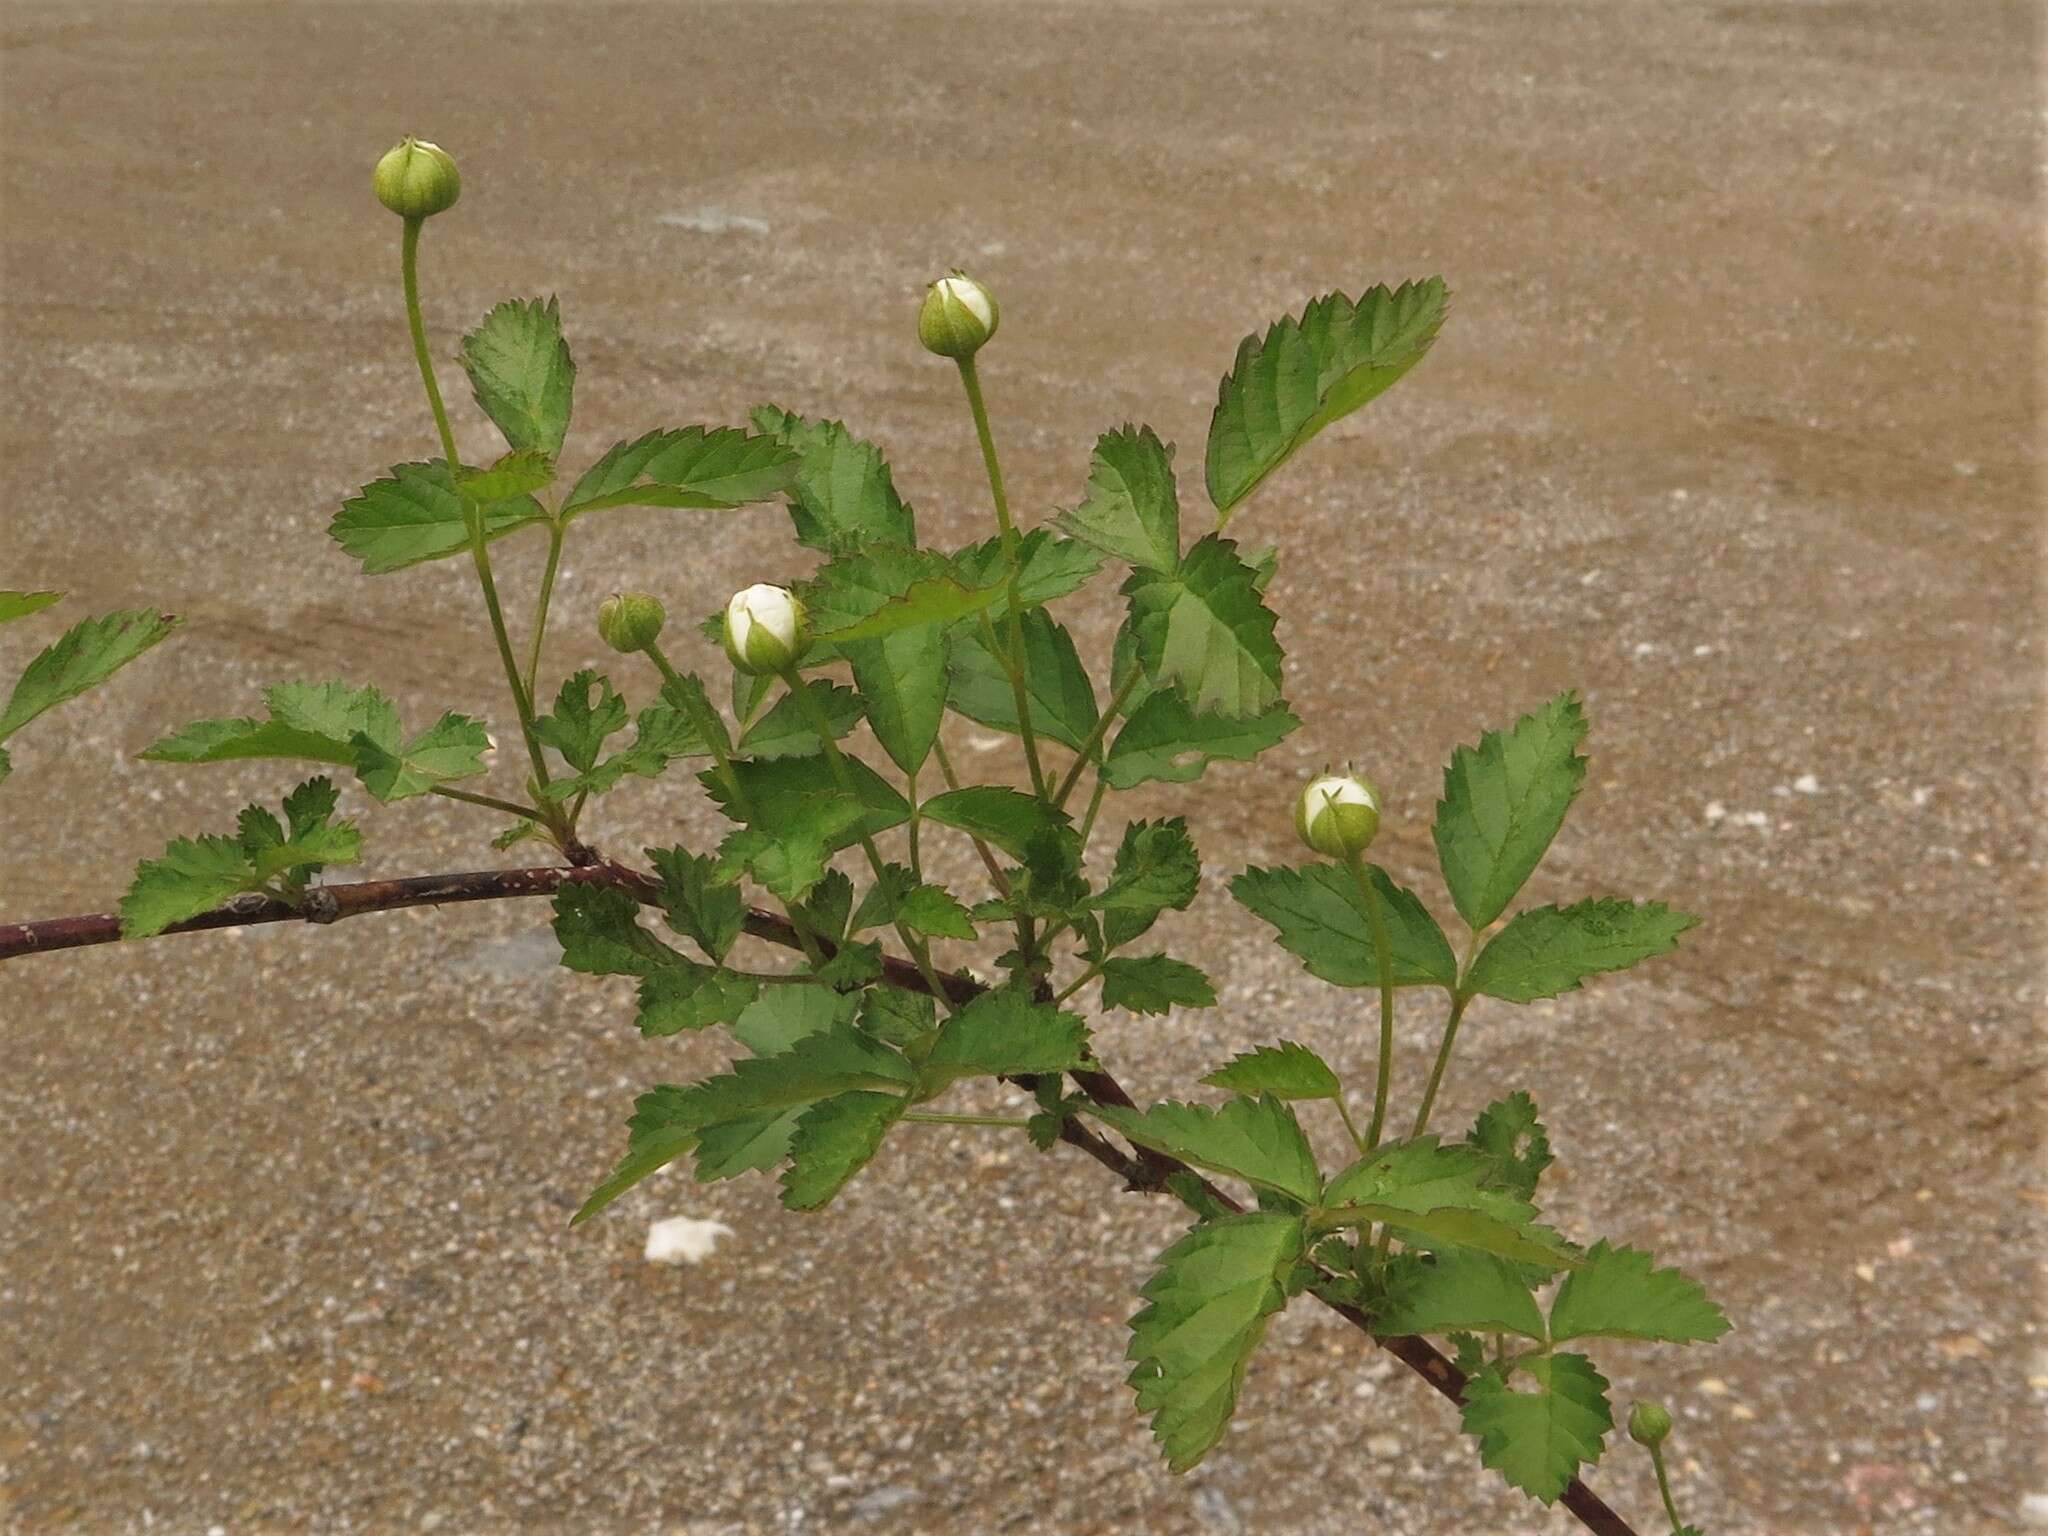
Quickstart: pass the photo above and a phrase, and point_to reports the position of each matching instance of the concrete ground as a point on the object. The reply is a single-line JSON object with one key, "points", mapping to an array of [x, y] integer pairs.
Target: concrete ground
{"points": [[1733, 428]]}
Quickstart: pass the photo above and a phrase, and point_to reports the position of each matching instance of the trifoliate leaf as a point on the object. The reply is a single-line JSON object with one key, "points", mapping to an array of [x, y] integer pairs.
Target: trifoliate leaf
{"points": [[195, 875], [415, 516], [715, 468], [686, 996], [1204, 629], [1154, 984], [694, 903], [1004, 818], [1132, 510], [843, 497], [787, 730], [1457, 1290], [1047, 567], [599, 930], [1503, 802], [1206, 1311], [1286, 1071], [834, 1140], [1164, 739], [1288, 385], [1549, 950], [1003, 1033], [83, 657], [587, 711], [1321, 919], [521, 373], [1617, 1295], [1056, 686], [1538, 1439], [519, 473], [1514, 1143], [19, 605], [451, 748], [661, 734], [1257, 1140]]}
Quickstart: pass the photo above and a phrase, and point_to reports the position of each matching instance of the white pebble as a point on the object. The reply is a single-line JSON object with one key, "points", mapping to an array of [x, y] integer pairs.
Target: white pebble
{"points": [[684, 1240], [1806, 784]]}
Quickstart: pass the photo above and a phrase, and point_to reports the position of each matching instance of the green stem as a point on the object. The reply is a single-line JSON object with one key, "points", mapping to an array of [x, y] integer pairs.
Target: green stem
{"points": [[1094, 807], [916, 858], [1091, 745], [1081, 981], [470, 797], [1383, 963], [1344, 1114], [1007, 1122], [988, 859], [540, 614], [1664, 1488], [1443, 1060]]}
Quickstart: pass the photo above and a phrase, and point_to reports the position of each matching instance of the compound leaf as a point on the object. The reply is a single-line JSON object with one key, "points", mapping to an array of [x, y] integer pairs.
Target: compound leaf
{"points": [[1004, 1032], [1459, 1290]]}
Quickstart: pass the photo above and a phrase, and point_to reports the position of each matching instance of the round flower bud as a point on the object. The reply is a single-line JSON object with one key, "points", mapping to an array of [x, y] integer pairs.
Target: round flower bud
{"points": [[958, 316], [630, 621], [765, 629], [417, 180], [1648, 1424], [1338, 815]]}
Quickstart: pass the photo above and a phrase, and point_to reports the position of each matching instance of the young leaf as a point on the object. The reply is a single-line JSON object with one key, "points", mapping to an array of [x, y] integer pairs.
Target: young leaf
{"points": [[715, 468], [1549, 950], [415, 516], [1538, 1440], [1204, 629], [851, 967], [451, 748], [787, 729], [1617, 1295], [83, 657], [1004, 818], [1157, 868], [1459, 1290], [1286, 1071], [1257, 1140], [19, 605], [600, 934], [1321, 920], [580, 724], [521, 373], [1514, 1142], [843, 497], [695, 905], [1503, 802], [834, 1140], [1132, 510], [1056, 685], [1002, 1033], [1288, 385], [686, 996], [1206, 1311], [1164, 739], [1154, 984], [195, 875]]}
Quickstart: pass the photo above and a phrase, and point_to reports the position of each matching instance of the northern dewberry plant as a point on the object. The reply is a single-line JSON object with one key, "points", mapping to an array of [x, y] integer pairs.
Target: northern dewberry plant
{"points": [[819, 737]]}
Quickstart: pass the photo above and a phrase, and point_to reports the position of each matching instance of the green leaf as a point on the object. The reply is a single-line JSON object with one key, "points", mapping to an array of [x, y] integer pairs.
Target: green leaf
{"points": [[776, 792], [519, 473], [902, 679], [1132, 510], [415, 516], [783, 1015], [686, 996], [1004, 1033], [317, 722], [451, 748], [1205, 630], [787, 730], [1154, 984], [898, 1016], [897, 897], [600, 934], [1503, 802], [1286, 1071], [195, 875], [19, 605], [837, 1059], [1514, 1142], [1617, 1295], [713, 468], [1004, 818], [1549, 950], [1056, 686], [695, 905], [1157, 869], [1164, 739], [1321, 919], [1435, 1194], [843, 497], [1538, 1440], [1206, 1311], [580, 724], [923, 604], [1288, 385], [752, 1144], [1257, 1140], [834, 1140], [521, 373], [789, 855], [1459, 1290], [652, 1144], [1047, 567], [83, 657]]}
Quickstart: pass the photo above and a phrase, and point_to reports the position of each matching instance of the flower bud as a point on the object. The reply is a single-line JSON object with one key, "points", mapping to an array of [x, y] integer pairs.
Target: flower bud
{"points": [[765, 629], [630, 621], [417, 180], [958, 316], [1648, 1424], [1338, 815]]}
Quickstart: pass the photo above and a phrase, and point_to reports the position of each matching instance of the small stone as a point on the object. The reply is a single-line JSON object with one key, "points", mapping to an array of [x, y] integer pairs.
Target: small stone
{"points": [[1714, 1386], [1385, 1446], [1807, 784], [684, 1240]]}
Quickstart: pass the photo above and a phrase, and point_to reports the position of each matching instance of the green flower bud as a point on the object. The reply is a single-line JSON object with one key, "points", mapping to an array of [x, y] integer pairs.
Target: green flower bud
{"points": [[765, 629], [958, 316], [1649, 1424], [630, 621], [417, 180], [1338, 815]]}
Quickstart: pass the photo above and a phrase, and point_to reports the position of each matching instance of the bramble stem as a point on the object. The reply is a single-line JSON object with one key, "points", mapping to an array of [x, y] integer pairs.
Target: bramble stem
{"points": [[1383, 963], [1443, 1060]]}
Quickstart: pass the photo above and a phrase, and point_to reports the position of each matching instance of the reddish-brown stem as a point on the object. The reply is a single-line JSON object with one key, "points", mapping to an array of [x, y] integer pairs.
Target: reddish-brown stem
{"points": [[1143, 1170]]}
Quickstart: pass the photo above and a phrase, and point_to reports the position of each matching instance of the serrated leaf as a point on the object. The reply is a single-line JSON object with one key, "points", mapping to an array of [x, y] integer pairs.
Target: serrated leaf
{"points": [[1435, 1194], [1206, 1311], [519, 473], [599, 930], [587, 711], [1513, 1140], [685, 996], [1204, 629], [414, 515], [1132, 509], [787, 729], [775, 792], [1164, 739], [451, 748], [19, 605], [897, 897], [902, 679], [939, 600], [843, 496], [1286, 1071], [712, 468], [1004, 1033], [1002, 817], [1503, 802], [1616, 1294], [1288, 385], [1047, 567], [836, 1059], [751, 1144], [900, 1017], [1157, 869], [1321, 921], [1539, 1439], [83, 657], [695, 905], [1458, 1290], [1257, 1140], [521, 373], [1154, 984], [789, 854], [783, 1015], [195, 875], [1546, 951], [647, 1153], [833, 1141], [1056, 686], [305, 854]]}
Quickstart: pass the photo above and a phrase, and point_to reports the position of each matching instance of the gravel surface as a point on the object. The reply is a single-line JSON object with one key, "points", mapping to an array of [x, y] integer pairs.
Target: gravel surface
{"points": [[1733, 428]]}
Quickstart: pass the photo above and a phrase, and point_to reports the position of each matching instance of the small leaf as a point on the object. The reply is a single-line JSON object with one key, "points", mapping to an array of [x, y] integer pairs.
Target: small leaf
{"points": [[1205, 630], [600, 934], [415, 516], [685, 996], [1164, 739], [1502, 804], [902, 680], [898, 1016], [1257, 1140], [83, 657], [519, 473], [195, 875], [937, 601], [1538, 1440], [1434, 1194], [1154, 984], [1617, 1295], [1546, 951], [521, 373], [1004, 818], [789, 854], [712, 468], [1286, 1071], [1321, 920], [1459, 1290], [775, 792], [1004, 1033], [787, 729], [843, 496], [1132, 510], [834, 1140], [19, 605], [1514, 1142], [781, 1016], [897, 897], [1157, 869], [695, 905], [579, 724], [451, 748]]}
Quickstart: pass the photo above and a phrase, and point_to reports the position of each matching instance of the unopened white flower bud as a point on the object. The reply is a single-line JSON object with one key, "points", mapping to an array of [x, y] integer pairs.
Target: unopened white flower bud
{"points": [[765, 629], [958, 316], [416, 180], [1338, 815]]}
